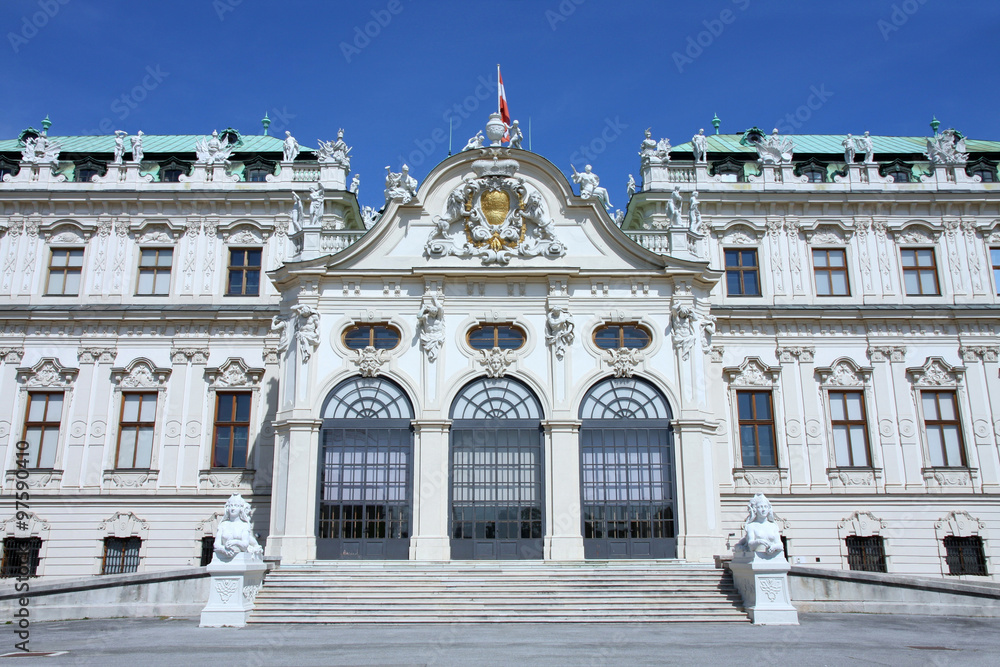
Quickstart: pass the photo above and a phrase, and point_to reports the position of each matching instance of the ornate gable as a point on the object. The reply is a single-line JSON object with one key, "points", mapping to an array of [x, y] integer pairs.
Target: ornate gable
{"points": [[47, 373], [936, 372], [140, 374]]}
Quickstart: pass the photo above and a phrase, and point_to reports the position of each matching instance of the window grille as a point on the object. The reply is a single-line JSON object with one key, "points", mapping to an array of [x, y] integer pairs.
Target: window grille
{"points": [[20, 556], [965, 555], [866, 554], [207, 549], [121, 555]]}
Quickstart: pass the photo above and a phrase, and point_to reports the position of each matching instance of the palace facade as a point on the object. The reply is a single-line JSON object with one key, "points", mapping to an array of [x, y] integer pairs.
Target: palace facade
{"points": [[494, 366]]}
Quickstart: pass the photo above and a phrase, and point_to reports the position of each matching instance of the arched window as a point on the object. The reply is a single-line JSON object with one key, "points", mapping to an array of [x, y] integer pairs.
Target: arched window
{"points": [[503, 336], [379, 336], [617, 336], [626, 471], [496, 471], [365, 472]]}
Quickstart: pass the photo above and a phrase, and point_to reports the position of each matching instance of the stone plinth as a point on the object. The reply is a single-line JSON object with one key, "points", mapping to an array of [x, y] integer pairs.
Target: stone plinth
{"points": [[232, 591], [763, 583]]}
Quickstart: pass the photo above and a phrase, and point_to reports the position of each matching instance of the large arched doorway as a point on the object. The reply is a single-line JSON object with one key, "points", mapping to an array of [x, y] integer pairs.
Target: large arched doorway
{"points": [[496, 472], [627, 471], [365, 472]]}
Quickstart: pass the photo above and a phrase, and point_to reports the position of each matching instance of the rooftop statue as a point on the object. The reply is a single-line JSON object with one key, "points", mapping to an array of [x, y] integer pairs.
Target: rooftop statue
{"points": [[137, 147], [213, 151], [368, 216], [866, 146], [474, 142], [317, 197], [630, 186], [235, 533], [590, 186], [849, 147], [699, 146], [335, 152], [290, 148], [516, 137], [355, 184], [119, 146], [947, 147], [400, 187], [648, 146], [654, 152], [761, 530], [775, 149], [40, 150]]}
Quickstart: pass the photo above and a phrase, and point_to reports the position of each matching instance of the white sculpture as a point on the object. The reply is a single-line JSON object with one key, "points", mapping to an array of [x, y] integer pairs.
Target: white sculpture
{"points": [[630, 186], [368, 216], [298, 213], [760, 570], [306, 330], [675, 207], [682, 329], [474, 142], [137, 147], [590, 185], [280, 325], [400, 187], [648, 146], [775, 149], [290, 149], [619, 217], [761, 532], [335, 152], [119, 146], [656, 153], [947, 147], [40, 150], [355, 184], [849, 148], [699, 146], [235, 533], [317, 196], [516, 137], [430, 319], [213, 151], [694, 213], [866, 146], [559, 328]]}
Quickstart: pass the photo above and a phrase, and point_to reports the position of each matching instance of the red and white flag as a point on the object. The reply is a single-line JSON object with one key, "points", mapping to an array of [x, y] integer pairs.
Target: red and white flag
{"points": [[502, 105]]}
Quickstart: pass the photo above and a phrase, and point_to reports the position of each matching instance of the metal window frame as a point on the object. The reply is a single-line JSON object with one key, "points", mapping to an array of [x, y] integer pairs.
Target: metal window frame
{"points": [[957, 548], [14, 551], [866, 553], [128, 562]]}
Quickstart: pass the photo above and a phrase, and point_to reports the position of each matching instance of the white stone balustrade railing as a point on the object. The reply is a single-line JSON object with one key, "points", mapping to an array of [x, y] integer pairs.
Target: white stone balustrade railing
{"points": [[338, 240]]}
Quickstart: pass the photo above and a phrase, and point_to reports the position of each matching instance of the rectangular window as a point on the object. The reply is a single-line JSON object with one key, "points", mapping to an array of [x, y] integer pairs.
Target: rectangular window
{"points": [[850, 429], [244, 272], [207, 549], [121, 555], [742, 277], [232, 429], [920, 272], [995, 262], [20, 556], [943, 428], [965, 555], [65, 269], [135, 432], [830, 267], [756, 429], [41, 427], [154, 271], [866, 554]]}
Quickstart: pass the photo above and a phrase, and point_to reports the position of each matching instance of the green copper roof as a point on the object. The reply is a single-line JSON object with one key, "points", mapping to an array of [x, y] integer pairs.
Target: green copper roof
{"points": [[155, 143], [834, 144]]}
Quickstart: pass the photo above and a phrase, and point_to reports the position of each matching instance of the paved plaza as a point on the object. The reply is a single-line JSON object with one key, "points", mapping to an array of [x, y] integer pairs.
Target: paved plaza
{"points": [[821, 639]]}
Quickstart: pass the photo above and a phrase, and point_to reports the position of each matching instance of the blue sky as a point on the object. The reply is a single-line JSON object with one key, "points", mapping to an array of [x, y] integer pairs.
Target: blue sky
{"points": [[591, 75]]}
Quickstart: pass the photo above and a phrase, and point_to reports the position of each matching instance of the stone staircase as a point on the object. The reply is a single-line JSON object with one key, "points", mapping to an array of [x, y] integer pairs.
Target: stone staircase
{"points": [[630, 591]]}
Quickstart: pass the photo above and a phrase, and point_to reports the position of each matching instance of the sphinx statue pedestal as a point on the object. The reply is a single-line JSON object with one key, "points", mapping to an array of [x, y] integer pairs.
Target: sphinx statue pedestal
{"points": [[763, 583], [233, 589]]}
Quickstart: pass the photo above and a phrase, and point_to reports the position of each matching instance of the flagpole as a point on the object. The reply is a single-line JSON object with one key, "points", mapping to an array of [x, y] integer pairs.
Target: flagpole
{"points": [[498, 88], [449, 136]]}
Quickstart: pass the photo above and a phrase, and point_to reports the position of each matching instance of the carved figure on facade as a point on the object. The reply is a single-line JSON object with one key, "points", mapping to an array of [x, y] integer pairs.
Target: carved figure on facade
{"points": [[317, 197], [474, 142], [297, 214], [370, 361], [709, 324], [40, 150], [355, 184], [559, 329], [590, 185], [516, 136], [499, 219], [694, 214], [775, 149], [947, 147], [682, 329], [654, 153], [336, 153], [496, 361], [290, 148], [761, 533], [430, 321], [699, 146], [119, 146], [306, 329], [630, 186], [400, 187], [235, 534], [137, 147], [675, 208], [213, 150], [368, 216], [623, 361]]}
